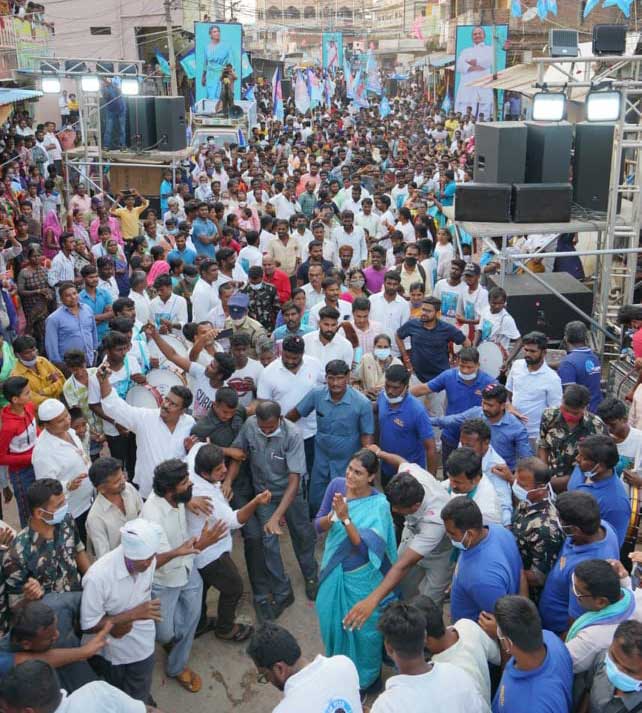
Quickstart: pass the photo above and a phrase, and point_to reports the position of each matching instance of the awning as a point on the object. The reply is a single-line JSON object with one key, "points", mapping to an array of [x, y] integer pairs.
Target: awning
{"points": [[521, 78], [9, 96]]}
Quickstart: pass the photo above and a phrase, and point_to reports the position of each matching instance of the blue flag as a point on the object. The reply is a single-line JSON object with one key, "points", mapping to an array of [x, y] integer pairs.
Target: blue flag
{"points": [[162, 63], [188, 63], [590, 6], [384, 107], [542, 9], [447, 103], [552, 6], [624, 5], [249, 94], [246, 67], [516, 8]]}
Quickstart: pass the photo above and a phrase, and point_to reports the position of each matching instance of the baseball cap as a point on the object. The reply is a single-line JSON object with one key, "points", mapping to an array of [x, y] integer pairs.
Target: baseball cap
{"points": [[472, 268], [238, 304]]}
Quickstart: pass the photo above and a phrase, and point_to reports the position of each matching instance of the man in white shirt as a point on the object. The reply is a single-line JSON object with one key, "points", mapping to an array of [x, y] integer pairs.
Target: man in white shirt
{"points": [[51, 143], [160, 433], [205, 294], [320, 686], [214, 562], [331, 292], [284, 207], [35, 686], [313, 289], [420, 684], [354, 236], [465, 644], [167, 310], [389, 308], [138, 284], [117, 589], [177, 584], [464, 471], [287, 380], [62, 266], [367, 220], [326, 344], [533, 385]]}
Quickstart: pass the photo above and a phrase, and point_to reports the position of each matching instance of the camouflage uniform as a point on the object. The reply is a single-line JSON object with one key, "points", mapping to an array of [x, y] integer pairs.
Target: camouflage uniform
{"points": [[264, 305], [561, 442], [51, 562], [539, 537]]}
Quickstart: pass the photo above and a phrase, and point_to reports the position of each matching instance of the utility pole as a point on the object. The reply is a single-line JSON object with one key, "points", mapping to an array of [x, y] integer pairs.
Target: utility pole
{"points": [[170, 49]]}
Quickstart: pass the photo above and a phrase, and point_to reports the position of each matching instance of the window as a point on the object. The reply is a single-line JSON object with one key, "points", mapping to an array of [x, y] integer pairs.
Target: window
{"points": [[100, 30]]}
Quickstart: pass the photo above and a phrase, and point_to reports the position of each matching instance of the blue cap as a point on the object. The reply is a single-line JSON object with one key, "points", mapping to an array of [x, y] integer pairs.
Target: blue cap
{"points": [[238, 303]]}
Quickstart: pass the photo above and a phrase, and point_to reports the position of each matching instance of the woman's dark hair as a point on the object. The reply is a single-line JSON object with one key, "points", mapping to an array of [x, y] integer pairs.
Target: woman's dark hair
{"points": [[367, 459]]}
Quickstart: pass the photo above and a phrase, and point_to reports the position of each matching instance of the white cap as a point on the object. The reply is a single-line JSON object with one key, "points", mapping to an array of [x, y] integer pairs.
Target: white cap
{"points": [[50, 409], [140, 539]]}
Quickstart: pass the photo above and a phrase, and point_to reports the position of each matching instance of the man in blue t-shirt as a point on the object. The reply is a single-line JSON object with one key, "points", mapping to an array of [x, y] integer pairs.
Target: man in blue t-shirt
{"points": [[594, 473], [404, 425], [488, 562], [429, 339], [204, 233], [463, 386], [586, 538], [538, 677], [581, 365]]}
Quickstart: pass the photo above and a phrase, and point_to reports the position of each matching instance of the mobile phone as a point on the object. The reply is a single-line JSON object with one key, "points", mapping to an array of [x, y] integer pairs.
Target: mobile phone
{"points": [[225, 334]]}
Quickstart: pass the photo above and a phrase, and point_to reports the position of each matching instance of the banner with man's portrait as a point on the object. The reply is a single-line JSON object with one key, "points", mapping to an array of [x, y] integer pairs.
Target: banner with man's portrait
{"points": [[332, 51], [480, 52]]}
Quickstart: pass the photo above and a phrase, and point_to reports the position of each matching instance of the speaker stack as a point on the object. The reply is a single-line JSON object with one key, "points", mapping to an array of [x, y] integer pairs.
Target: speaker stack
{"points": [[527, 161]]}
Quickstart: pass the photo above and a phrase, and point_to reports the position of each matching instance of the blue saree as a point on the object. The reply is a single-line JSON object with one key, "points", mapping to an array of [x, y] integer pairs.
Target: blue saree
{"points": [[348, 574]]}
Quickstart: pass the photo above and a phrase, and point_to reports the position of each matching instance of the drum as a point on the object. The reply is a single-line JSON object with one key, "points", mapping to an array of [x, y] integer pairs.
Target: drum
{"points": [[178, 345], [490, 358], [163, 380], [144, 396]]}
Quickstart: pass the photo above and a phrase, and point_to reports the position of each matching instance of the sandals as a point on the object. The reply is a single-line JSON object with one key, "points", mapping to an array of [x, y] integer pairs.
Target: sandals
{"points": [[240, 632], [189, 680]]}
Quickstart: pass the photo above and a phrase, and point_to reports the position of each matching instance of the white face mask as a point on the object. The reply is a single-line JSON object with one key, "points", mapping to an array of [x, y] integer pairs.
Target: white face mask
{"points": [[467, 377], [270, 435], [239, 322], [256, 287]]}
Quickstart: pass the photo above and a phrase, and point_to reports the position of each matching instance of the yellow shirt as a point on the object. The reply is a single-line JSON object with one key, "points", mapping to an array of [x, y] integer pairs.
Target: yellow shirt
{"points": [[43, 385], [129, 220], [451, 125], [285, 256]]}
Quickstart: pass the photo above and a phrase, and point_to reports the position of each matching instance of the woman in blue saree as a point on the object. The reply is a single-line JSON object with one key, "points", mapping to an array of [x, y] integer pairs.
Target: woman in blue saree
{"points": [[359, 550]]}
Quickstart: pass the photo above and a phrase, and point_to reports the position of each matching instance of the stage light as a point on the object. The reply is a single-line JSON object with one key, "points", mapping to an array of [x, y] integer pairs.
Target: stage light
{"points": [[129, 87], [90, 83], [549, 106], [50, 85], [603, 106]]}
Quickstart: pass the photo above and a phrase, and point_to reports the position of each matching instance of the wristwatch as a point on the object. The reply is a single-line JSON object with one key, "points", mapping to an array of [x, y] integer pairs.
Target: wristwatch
{"points": [[347, 522]]}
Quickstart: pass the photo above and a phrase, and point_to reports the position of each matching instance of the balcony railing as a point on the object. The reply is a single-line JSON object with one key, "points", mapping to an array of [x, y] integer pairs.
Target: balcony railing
{"points": [[21, 42]]}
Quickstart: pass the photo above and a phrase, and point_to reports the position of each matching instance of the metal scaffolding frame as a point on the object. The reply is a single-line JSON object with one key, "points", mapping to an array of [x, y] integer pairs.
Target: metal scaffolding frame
{"points": [[618, 234]]}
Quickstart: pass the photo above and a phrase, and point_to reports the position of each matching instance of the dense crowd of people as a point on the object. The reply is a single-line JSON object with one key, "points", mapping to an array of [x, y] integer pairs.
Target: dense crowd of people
{"points": [[291, 341]]}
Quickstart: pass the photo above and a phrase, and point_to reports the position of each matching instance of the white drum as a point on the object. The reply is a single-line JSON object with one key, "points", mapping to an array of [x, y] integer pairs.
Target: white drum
{"points": [[177, 344], [163, 380], [490, 358], [144, 396]]}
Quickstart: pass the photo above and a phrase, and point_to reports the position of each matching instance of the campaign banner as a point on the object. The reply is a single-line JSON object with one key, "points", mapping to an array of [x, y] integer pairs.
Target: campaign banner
{"points": [[331, 50], [216, 45], [480, 52]]}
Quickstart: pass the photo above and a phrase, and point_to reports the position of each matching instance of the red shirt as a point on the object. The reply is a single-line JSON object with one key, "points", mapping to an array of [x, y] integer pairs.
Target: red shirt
{"points": [[636, 343], [282, 283]]}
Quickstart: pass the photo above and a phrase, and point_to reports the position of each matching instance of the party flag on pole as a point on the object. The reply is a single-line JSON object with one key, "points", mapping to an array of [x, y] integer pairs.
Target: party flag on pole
{"points": [[277, 95]]}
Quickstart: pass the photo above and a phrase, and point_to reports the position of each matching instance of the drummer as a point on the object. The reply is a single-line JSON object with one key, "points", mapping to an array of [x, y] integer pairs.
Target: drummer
{"points": [[137, 347], [497, 325], [125, 372], [126, 307]]}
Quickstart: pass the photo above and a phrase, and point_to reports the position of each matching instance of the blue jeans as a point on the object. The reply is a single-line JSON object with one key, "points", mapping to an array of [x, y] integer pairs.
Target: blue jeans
{"points": [[180, 611], [114, 121], [303, 539], [20, 482]]}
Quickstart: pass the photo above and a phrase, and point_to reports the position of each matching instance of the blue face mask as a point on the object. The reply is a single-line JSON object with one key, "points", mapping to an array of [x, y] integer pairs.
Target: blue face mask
{"points": [[622, 681], [58, 516], [459, 544]]}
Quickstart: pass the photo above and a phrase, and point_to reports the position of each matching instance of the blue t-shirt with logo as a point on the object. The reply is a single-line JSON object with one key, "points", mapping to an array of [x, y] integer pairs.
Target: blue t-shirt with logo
{"points": [[582, 366], [545, 689], [461, 396]]}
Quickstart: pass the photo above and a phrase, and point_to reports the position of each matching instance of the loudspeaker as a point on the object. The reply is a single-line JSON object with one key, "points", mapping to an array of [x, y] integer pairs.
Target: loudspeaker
{"points": [[563, 43], [592, 165], [534, 308], [609, 39], [486, 202], [542, 202], [548, 152], [286, 88], [170, 123], [141, 122], [500, 152]]}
